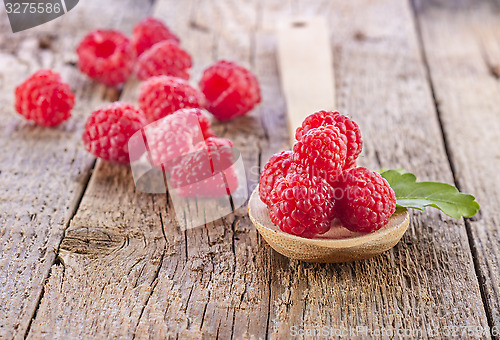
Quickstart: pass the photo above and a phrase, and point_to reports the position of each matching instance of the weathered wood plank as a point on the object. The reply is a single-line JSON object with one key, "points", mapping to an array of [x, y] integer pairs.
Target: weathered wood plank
{"points": [[461, 44], [419, 285], [222, 280], [202, 283], [43, 171]]}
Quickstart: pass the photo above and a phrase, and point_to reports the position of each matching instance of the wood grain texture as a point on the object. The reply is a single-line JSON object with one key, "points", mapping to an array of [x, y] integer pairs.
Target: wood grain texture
{"points": [[128, 271], [463, 54], [420, 284], [43, 171], [190, 289]]}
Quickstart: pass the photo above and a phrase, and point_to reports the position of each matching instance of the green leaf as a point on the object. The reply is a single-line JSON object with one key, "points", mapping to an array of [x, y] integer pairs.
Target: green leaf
{"points": [[418, 195]]}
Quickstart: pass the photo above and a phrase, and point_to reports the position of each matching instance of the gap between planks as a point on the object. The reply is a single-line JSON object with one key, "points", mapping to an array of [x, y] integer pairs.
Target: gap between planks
{"points": [[57, 259]]}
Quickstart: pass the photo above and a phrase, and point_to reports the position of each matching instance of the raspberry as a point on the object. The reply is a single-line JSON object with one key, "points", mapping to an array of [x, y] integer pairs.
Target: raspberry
{"points": [[321, 152], [276, 168], [208, 171], [365, 201], [44, 98], [109, 129], [149, 32], [164, 58], [106, 56], [168, 140], [204, 122], [302, 205], [231, 90], [163, 95], [346, 126]]}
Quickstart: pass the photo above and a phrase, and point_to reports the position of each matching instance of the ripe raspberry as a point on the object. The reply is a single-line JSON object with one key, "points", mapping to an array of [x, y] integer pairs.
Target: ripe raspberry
{"points": [[365, 201], [302, 205], [204, 122], [106, 56], [276, 168], [168, 140], [44, 98], [321, 152], [164, 58], [109, 129], [208, 171], [149, 32], [346, 126], [163, 95], [231, 90]]}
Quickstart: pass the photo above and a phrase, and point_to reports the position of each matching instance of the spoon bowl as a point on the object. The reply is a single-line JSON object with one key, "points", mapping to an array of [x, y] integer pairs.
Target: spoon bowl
{"points": [[337, 245]]}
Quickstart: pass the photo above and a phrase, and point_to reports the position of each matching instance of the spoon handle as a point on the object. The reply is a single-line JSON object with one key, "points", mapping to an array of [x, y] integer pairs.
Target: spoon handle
{"points": [[306, 68]]}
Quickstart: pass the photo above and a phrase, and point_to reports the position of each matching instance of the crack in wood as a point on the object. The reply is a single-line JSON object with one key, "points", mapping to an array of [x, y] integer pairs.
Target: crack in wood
{"points": [[153, 284]]}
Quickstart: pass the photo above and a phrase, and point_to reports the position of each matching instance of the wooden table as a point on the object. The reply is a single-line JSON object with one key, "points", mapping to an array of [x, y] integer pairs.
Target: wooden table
{"points": [[84, 255]]}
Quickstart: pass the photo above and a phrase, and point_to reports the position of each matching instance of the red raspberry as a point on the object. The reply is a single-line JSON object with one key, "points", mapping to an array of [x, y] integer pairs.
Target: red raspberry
{"points": [[168, 140], [149, 32], [365, 201], [109, 129], [164, 58], [204, 122], [207, 172], [44, 98], [302, 205], [231, 90], [276, 168], [163, 95], [346, 126], [321, 152], [106, 56]]}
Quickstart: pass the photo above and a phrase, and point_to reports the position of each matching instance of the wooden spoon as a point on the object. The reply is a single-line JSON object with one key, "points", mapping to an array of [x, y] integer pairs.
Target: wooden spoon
{"points": [[306, 71]]}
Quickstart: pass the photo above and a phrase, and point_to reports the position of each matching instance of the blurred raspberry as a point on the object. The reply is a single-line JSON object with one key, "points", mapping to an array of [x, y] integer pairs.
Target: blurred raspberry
{"points": [[231, 90], [109, 129], [149, 32], [302, 205], [44, 98], [365, 201], [208, 171], [277, 167], [168, 140], [203, 121], [164, 58], [345, 125], [321, 152], [106, 56], [163, 95]]}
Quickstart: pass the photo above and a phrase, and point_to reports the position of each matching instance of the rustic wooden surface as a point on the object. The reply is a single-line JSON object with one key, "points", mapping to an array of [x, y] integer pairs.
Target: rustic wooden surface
{"points": [[84, 255]]}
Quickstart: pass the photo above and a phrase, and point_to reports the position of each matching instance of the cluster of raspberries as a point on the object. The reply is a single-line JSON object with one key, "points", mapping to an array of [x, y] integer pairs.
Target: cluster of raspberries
{"points": [[307, 188], [154, 56]]}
